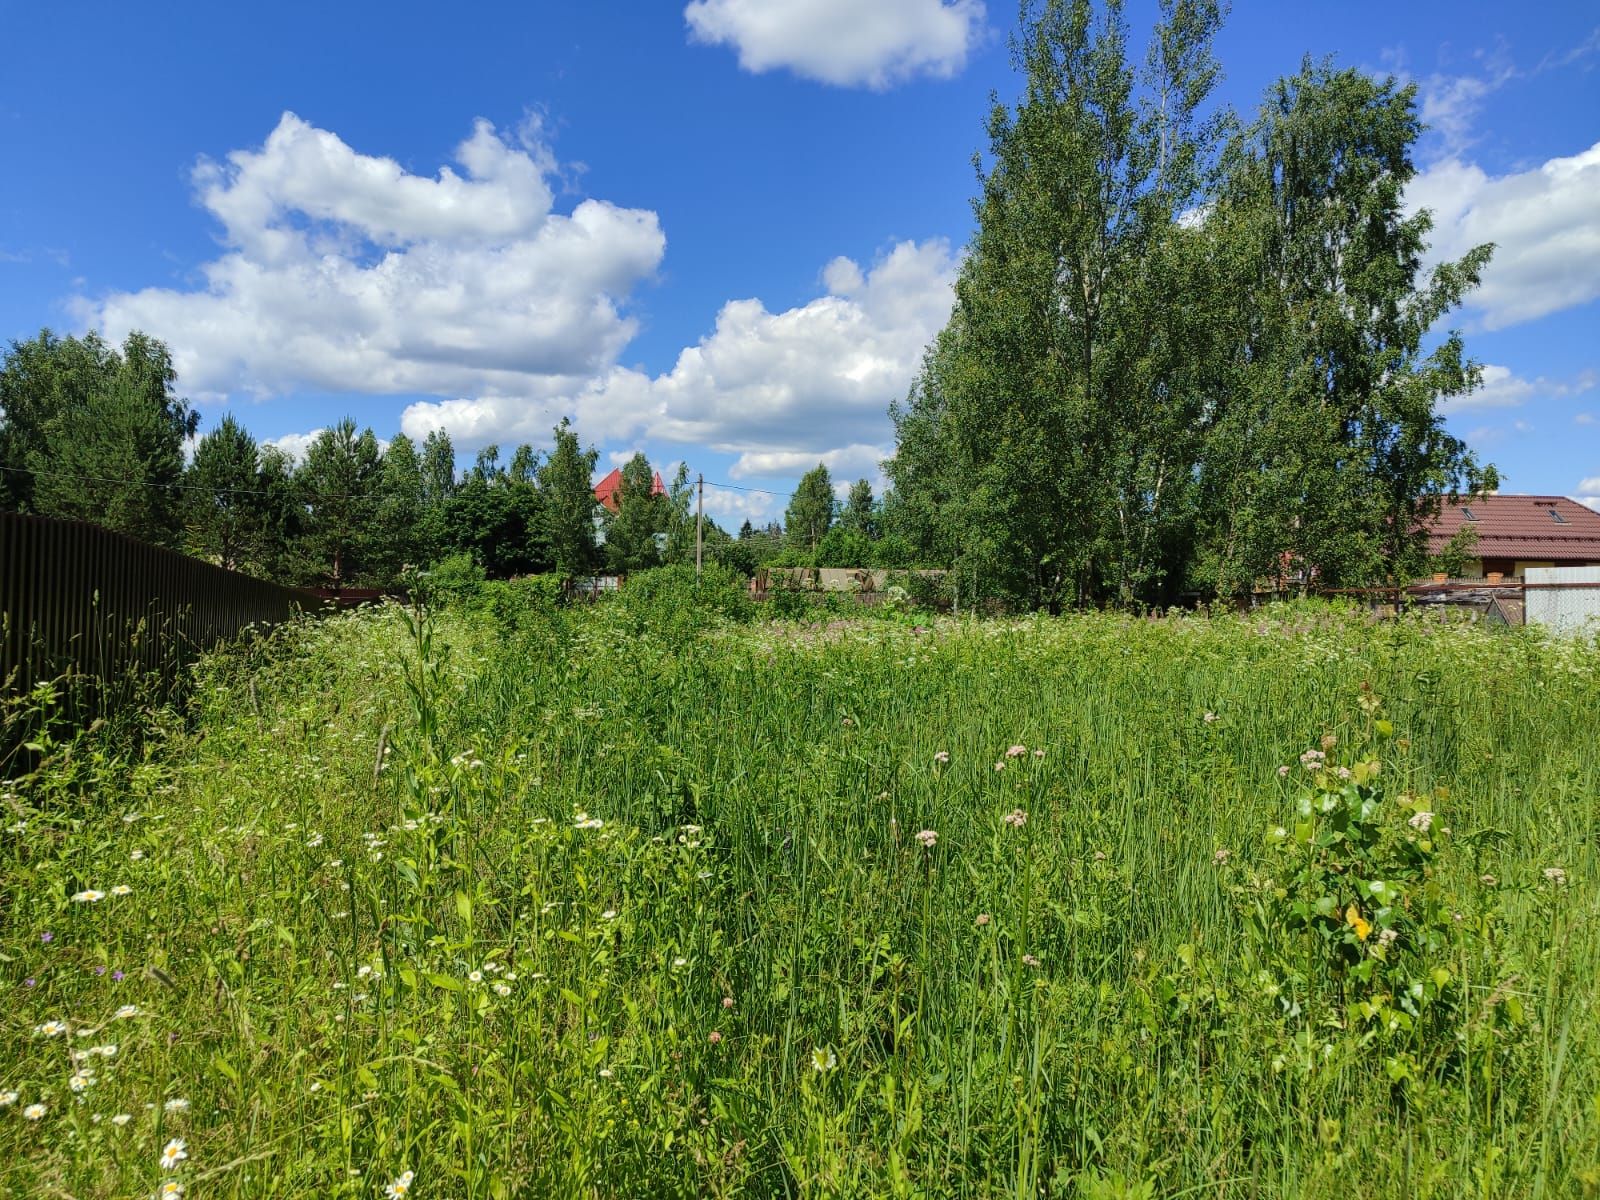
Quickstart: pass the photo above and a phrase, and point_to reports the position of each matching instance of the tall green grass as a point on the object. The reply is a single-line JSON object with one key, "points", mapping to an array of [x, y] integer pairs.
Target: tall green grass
{"points": [[630, 901]]}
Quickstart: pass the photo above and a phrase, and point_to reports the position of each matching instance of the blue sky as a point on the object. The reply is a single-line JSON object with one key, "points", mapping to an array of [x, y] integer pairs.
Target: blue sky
{"points": [[719, 232]]}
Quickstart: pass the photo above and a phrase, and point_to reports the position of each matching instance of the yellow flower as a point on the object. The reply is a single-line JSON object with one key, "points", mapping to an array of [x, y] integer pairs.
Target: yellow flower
{"points": [[1354, 919]]}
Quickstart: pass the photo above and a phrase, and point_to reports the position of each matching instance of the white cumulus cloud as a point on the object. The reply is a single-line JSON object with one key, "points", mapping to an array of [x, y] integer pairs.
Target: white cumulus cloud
{"points": [[1504, 388], [781, 390], [342, 271], [874, 43], [1545, 223]]}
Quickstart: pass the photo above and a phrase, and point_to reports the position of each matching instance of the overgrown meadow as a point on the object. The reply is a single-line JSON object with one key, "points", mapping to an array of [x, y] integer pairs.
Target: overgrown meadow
{"points": [[650, 898]]}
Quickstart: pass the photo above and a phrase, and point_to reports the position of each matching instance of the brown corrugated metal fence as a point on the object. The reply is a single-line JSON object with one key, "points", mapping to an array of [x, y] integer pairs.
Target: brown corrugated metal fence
{"points": [[76, 598]]}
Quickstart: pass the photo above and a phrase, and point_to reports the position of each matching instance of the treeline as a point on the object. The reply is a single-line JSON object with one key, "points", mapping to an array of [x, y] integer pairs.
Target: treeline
{"points": [[92, 432], [1188, 353]]}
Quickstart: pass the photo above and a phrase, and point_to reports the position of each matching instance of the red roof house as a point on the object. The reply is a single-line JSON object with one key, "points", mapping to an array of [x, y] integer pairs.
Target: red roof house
{"points": [[1517, 532], [606, 491]]}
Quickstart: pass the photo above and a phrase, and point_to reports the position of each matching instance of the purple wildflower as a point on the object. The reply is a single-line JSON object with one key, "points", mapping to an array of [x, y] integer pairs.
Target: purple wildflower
{"points": [[47, 937]]}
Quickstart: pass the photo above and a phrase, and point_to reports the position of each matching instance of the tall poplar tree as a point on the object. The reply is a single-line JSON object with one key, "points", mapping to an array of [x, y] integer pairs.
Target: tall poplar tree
{"points": [[1332, 452]]}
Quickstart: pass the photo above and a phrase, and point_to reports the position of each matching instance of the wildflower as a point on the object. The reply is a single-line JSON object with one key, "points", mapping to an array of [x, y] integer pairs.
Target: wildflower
{"points": [[1388, 937], [7, 1099], [314, 841], [1029, 960], [1222, 855], [1282, 771], [1016, 751], [474, 976], [400, 1186], [1487, 880], [172, 1154], [121, 889], [1038, 753], [585, 821], [47, 937], [605, 1072], [680, 962], [502, 990], [610, 914], [727, 1002], [983, 919], [1344, 772], [1421, 821], [121, 1119], [126, 1011], [89, 896], [51, 1029], [928, 837], [1209, 718], [1001, 765], [1313, 760], [715, 1037], [34, 1112], [1556, 875], [176, 1105], [942, 758], [1016, 818], [136, 855], [170, 1189], [823, 1060]]}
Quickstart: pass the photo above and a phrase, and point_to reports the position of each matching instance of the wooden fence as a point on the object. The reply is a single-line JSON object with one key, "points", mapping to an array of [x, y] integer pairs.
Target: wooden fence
{"points": [[76, 599]]}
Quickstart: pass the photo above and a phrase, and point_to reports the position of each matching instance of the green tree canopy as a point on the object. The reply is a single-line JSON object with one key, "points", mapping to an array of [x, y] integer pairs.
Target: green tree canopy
{"points": [[1182, 357], [810, 512], [569, 503], [224, 501], [94, 434], [339, 485], [641, 514]]}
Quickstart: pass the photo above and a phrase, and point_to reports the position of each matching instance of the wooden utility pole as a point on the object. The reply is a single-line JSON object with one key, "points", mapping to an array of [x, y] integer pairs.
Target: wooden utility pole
{"points": [[699, 523]]}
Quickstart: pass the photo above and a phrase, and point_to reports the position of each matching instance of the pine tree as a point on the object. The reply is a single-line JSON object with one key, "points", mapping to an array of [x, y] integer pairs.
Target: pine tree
{"points": [[223, 502], [810, 512]]}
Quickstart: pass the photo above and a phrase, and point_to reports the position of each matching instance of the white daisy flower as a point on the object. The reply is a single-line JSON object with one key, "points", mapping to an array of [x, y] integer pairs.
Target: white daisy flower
{"points": [[121, 1119], [400, 1186], [51, 1029], [172, 1154], [126, 1011], [121, 889], [176, 1105], [88, 896], [34, 1112]]}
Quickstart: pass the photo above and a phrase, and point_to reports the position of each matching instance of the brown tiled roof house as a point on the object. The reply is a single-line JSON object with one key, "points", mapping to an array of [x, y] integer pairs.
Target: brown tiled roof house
{"points": [[1518, 532]]}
